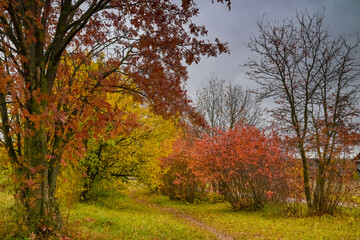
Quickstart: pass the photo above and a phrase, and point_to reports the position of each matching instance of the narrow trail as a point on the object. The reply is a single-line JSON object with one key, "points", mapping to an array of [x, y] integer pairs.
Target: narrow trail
{"points": [[221, 235]]}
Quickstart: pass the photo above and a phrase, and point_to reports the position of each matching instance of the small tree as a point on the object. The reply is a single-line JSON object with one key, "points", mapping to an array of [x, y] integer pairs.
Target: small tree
{"points": [[132, 152], [226, 104], [245, 165], [314, 80], [179, 181]]}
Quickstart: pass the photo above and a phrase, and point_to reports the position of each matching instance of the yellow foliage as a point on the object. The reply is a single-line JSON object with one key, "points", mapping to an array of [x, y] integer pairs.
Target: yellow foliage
{"points": [[5, 168], [138, 151], [130, 149], [69, 185]]}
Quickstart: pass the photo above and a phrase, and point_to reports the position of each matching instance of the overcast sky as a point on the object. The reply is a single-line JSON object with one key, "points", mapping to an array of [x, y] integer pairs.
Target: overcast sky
{"points": [[236, 27]]}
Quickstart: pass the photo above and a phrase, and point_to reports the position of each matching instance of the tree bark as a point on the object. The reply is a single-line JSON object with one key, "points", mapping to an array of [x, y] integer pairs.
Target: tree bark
{"points": [[39, 187], [306, 176]]}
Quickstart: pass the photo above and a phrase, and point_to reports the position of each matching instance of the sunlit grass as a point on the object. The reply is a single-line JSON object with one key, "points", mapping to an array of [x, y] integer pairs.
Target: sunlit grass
{"points": [[120, 217], [117, 216], [9, 218], [6, 201], [262, 225]]}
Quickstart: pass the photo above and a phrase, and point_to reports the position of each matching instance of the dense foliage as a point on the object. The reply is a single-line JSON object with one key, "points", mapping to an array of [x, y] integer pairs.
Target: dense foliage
{"points": [[132, 153], [59, 59], [179, 180], [245, 165]]}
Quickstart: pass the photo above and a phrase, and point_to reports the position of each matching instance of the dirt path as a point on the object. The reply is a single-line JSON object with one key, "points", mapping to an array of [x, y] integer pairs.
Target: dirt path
{"points": [[191, 220]]}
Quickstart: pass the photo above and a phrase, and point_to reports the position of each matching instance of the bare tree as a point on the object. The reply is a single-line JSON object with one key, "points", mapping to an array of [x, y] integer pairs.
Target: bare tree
{"points": [[226, 104], [314, 80]]}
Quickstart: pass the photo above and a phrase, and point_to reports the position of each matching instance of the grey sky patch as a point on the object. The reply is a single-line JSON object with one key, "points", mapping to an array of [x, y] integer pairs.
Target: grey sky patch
{"points": [[236, 27]]}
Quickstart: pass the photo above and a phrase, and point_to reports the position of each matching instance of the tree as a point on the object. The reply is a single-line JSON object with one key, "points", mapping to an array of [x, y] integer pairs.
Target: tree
{"points": [[46, 97], [247, 166], [225, 104], [131, 153], [314, 80], [179, 182]]}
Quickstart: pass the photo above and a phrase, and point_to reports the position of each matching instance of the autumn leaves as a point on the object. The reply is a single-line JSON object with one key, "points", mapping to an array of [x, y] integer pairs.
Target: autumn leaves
{"points": [[245, 165]]}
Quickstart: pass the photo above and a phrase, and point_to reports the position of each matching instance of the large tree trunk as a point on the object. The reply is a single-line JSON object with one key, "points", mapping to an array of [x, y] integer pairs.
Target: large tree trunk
{"points": [[34, 172], [40, 179]]}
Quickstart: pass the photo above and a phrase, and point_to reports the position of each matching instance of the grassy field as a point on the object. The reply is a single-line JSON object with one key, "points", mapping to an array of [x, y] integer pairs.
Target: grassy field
{"points": [[118, 216], [268, 224], [111, 217]]}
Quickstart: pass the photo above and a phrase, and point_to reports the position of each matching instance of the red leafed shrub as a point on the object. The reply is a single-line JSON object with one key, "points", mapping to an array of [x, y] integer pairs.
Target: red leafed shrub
{"points": [[245, 165], [179, 182]]}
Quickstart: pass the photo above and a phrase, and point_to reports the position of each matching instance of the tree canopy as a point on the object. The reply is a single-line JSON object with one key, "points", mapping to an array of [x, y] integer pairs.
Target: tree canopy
{"points": [[59, 58]]}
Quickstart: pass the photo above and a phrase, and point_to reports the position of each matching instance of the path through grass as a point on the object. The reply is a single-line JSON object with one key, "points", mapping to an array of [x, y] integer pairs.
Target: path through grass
{"points": [[179, 214], [120, 217], [265, 224], [151, 216]]}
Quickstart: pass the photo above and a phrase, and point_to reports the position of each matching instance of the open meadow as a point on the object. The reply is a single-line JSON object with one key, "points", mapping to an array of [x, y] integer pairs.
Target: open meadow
{"points": [[140, 214]]}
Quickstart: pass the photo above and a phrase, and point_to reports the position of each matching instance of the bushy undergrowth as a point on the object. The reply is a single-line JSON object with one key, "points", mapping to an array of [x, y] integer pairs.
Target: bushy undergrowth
{"points": [[248, 167], [179, 181]]}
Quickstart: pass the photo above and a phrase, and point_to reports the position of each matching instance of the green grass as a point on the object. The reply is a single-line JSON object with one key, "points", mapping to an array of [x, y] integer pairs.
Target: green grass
{"points": [[260, 225], [6, 201], [9, 215], [110, 217], [117, 216], [120, 217]]}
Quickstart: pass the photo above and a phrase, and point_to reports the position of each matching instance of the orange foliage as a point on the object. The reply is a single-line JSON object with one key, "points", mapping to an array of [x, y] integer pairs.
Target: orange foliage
{"points": [[59, 59], [249, 167], [179, 181]]}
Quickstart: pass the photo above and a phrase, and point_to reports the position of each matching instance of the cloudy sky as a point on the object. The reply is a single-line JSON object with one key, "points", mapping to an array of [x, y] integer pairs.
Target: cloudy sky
{"points": [[236, 27]]}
